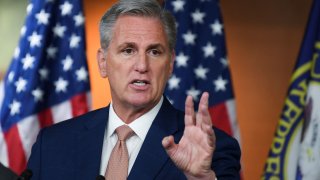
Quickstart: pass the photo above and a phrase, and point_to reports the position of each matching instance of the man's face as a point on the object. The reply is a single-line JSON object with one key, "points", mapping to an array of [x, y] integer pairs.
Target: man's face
{"points": [[138, 62]]}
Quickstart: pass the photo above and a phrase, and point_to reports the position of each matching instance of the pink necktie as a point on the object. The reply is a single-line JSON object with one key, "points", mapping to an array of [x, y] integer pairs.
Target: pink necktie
{"points": [[119, 159]]}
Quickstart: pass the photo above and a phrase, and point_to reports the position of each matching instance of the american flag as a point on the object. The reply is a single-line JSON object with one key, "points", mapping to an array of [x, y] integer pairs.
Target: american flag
{"points": [[47, 81], [201, 62]]}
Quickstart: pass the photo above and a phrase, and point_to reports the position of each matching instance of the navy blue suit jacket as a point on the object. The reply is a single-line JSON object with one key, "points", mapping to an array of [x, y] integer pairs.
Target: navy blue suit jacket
{"points": [[72, 149]]}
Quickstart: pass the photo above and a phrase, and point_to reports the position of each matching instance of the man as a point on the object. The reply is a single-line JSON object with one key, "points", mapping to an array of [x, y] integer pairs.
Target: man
{"points": [[137, 56]]}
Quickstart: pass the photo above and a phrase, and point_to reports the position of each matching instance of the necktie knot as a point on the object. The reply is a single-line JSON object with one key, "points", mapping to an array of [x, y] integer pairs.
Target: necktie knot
{"points": [[124, 132]]}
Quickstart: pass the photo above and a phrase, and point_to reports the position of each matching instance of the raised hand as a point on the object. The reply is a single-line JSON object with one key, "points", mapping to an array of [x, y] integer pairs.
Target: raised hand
{"points": [[193, 154]]}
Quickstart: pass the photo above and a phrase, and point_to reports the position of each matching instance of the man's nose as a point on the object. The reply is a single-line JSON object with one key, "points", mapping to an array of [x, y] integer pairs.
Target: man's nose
{"points": [[141, 64]]}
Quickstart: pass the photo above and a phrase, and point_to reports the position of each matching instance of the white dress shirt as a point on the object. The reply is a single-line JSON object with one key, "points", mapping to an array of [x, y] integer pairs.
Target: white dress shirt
{"points": [[140, 126]]}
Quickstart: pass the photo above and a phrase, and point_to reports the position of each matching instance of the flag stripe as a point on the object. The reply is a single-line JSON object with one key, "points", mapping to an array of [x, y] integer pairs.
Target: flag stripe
{"points": [[231, 108], [45, 118], [3, 146], [79, 104], [220, 117], [28, 130], [89, 100], [15, 149], [61, 112], [3, 150]]}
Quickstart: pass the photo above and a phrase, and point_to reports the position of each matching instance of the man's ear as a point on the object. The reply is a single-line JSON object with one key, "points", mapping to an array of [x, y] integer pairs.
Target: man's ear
{"points": [[102, 62]]}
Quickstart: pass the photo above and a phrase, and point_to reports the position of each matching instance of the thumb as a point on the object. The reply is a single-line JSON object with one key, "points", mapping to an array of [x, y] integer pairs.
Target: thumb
{"points": [[169, 145]]}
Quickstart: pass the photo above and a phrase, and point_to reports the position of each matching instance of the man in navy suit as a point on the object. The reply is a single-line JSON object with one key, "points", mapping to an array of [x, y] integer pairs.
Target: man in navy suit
{"points": [[136, 55]]}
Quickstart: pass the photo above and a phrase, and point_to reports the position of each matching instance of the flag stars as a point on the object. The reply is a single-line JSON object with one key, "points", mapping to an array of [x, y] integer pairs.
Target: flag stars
{"points": [[209, 50], [15, 107], [51, 52], [20, 85], [67, 63], [66, 8], [201, 72], [42, 17], [10, 76], [189, 38], [224, 62], [181, 60], [220, 84], [216, 27], [82, 74], [61, 85], [16, 52], [44, 73], [29, 8], [74, 41], [194, 93], [173, 82], [178, 5], [28, 61], [23, 30], [79, 19], [37, 94], [59, 30], [35, 39], [197, 16]]}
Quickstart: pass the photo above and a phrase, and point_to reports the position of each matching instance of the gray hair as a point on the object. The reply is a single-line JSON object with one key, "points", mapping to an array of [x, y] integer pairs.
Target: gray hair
{"points": [[143, 8]]}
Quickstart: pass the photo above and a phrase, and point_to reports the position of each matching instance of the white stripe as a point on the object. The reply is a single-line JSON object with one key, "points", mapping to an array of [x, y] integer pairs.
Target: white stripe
{"points": [[3, 150], [231, 108], [3, 147], [28, 130], [89, 100], [61, 112]]}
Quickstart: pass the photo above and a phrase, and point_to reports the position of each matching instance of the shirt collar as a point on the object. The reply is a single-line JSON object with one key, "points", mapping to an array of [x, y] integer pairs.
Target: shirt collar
{"points": [[140, 125]]}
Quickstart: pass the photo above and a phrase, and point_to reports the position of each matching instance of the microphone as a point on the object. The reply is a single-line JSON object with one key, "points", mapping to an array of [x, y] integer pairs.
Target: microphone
{"points": [[26, 175], [100, 177]]}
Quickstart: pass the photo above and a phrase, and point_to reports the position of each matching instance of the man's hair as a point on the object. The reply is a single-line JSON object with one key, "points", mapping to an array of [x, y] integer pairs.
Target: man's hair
{"points": [[140, 8]]}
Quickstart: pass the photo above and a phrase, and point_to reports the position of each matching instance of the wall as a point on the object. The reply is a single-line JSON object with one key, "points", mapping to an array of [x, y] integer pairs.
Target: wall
{"points": [[12, 15], [263, 39]]}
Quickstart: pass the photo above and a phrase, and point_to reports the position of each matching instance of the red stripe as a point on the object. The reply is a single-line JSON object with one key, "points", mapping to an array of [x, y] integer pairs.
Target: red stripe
{"points": [[45, 118], [220, 118], [17, 158], [79, 104]]}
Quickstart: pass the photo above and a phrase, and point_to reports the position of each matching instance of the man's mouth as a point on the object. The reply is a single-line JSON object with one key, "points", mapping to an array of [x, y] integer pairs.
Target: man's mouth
{"points": [[140, 82]]}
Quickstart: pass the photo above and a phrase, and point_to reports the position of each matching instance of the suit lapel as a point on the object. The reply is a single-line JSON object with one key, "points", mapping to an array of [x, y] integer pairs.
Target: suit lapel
{"points": [[152, 155], [90, 142]]}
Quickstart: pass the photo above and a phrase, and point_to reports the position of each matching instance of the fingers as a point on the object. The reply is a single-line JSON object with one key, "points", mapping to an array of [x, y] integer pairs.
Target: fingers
{"points": [[189, 117], [210, 135], [169, 145], [203, 119], [203, 115]]}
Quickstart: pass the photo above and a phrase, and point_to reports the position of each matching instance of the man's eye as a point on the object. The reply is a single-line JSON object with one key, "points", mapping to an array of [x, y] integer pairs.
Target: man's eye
{"points": [[154, 52], [127, 51]]}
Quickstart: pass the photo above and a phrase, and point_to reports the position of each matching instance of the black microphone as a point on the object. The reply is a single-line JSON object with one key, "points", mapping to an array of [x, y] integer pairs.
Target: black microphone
{"points": [[100, 177], [26, 175]]}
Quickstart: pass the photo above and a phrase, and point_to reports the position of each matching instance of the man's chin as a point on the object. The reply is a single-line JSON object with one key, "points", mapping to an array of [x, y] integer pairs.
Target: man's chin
{"points": [[141, 102]]}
